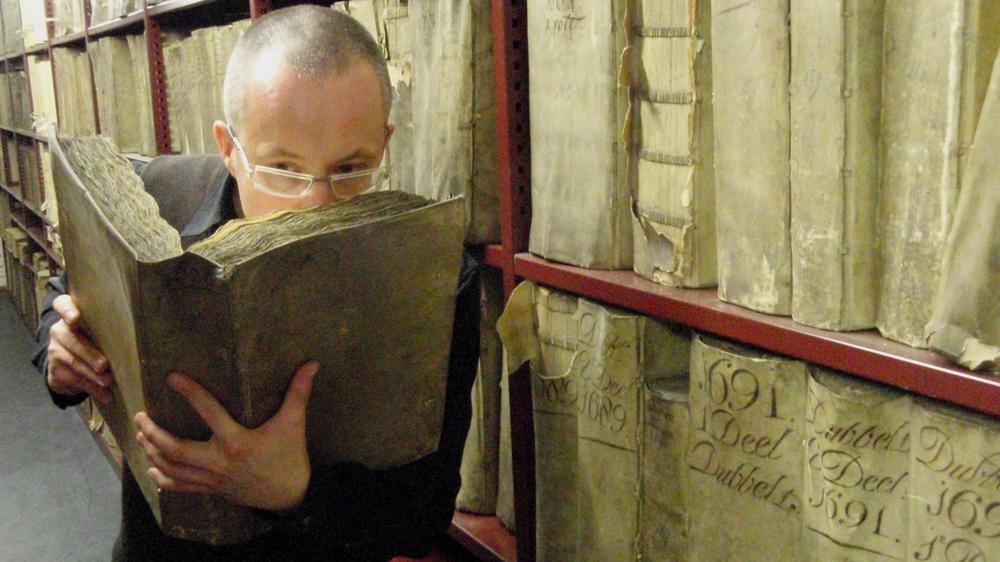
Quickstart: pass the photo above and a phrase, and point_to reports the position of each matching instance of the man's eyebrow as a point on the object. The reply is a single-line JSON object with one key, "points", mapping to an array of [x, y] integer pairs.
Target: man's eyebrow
{"points": [[268, 150]]}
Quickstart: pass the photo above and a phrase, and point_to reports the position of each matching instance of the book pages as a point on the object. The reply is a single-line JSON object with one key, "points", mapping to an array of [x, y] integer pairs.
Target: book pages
{"points": [[480, 460], [578, 88], [673, 209], [963, 324], [745, 454], [934, 80], [857, 470], [43, 96], [666, 425], [955, 485], [454, 127], [835, 100], [750, 62]]}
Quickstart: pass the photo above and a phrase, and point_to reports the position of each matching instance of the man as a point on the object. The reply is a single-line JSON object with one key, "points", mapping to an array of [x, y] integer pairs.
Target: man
{"points": [[307, 97]]}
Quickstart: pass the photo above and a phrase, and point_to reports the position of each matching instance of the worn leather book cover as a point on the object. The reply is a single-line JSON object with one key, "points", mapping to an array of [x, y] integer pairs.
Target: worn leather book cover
{"points": [[745, 454], [954, 496], [965, 322], [750, 71], [937, 60], [580, 139], [857, 470], [836, 103], [673, 208], [366, 287], [453, 111]]}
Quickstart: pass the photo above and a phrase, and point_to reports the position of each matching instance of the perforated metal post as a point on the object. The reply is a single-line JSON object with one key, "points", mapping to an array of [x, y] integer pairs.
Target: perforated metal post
{"points": [[158, 85]]}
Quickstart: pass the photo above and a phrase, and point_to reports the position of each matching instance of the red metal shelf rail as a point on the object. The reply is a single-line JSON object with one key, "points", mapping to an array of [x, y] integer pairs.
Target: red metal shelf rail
{"points": [[865, 354]]}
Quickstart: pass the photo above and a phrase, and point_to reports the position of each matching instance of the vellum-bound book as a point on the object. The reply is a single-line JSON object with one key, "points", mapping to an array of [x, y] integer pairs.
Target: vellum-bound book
{"points": [[665, 430], [955, 485], [366, 287], [938, 55], [75, 94], [965, 323], [43, 95], [857, 470], [482, 445], [454, 115], [673, 210], [505, 462], [745, 454], [835, 109], [750, 61], [580, 194]]}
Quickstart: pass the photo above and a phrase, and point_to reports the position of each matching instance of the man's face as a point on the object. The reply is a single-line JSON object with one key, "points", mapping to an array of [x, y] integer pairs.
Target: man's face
{"points": [[320, 127]]}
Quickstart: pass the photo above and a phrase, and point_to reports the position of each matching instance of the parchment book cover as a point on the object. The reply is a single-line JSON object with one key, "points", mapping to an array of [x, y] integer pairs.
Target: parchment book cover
{"points": [[745, 454], [955, 488], [367, 287]]}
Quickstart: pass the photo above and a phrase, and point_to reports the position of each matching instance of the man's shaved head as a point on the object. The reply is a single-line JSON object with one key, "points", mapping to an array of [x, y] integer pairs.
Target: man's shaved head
{"points": [[312, 41]]}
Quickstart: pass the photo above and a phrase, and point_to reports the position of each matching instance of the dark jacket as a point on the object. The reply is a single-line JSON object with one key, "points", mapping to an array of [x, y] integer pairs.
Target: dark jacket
{"points": [[349, 512]]}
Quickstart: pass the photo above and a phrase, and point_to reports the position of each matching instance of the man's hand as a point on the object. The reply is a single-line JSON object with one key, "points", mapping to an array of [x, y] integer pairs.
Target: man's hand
{"points": [[75, 364], [267, 467]]}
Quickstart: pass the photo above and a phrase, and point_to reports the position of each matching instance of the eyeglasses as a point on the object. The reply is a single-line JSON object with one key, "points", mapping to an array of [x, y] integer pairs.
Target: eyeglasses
{"points": [[295, 185]]}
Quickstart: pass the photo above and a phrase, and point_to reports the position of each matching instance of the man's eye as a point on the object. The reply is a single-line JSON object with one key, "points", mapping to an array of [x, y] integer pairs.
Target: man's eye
{"points": [[347, 168], [282, 166]]}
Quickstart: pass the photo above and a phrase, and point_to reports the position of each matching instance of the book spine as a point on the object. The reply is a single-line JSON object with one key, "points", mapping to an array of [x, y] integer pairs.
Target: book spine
{"points": [[750, 68], [673, 207], [835, 109], [745, 454], [580, 137]]}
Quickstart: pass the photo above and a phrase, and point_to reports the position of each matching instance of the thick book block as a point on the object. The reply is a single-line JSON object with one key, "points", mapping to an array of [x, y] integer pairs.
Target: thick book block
{"points": [[454, 115], [857, 470], [964, 324], [366, 287], [750, 71], [745, 454], [482, 446], [579, 105], [836, 87], [673, 210], [936, 67], [954, 485]]}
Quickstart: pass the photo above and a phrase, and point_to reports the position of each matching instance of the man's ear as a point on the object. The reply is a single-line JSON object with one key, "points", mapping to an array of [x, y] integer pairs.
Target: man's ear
{"points": [[389, 130], [225, 144]]}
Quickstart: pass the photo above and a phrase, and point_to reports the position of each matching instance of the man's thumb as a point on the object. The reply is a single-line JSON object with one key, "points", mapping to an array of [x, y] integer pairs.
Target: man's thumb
{"points": [[299, 390]]}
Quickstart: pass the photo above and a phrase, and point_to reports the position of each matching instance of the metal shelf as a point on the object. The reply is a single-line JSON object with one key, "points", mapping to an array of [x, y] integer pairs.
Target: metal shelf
{"points": [[27, 205], [24, 133], [865, 354], [110, 27], [65, 40], [484, 536], [39, 238]]}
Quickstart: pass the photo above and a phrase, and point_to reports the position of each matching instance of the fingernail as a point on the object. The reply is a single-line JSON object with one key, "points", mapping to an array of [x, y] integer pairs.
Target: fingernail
{"points": [[313, 368]]}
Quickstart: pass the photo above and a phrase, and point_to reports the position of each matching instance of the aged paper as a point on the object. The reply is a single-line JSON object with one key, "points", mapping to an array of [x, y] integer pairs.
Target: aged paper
{"points": [[955, 487], [673, 208], [745, 454], [663, 499], [835, 110], [936, 63], [857, 470], [750, 62], [579, 135], [964, 323]]}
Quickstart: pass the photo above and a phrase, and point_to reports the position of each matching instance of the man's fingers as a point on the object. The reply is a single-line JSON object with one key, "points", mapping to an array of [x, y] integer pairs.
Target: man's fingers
{"points": [[175, 470], [191, 453], [299, 390], [218, 419], [165, 482], [80, 346], [64, 380], [66, 309]]}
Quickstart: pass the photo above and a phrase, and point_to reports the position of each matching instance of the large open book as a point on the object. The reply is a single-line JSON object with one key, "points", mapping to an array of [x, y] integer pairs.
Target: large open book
{"points": [[366, 287]]}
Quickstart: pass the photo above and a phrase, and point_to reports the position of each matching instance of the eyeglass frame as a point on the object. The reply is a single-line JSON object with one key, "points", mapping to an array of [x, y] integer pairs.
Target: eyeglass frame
{"points": [[330, 179]]}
